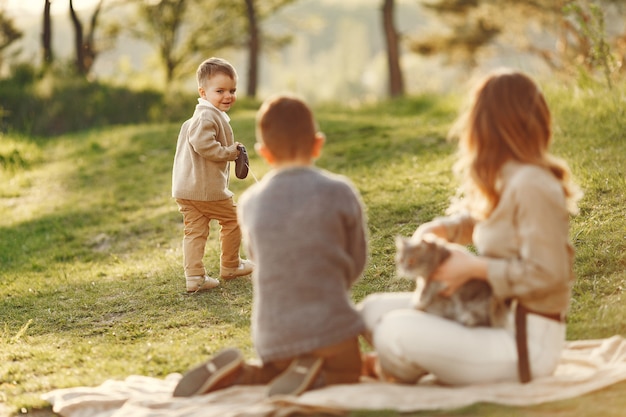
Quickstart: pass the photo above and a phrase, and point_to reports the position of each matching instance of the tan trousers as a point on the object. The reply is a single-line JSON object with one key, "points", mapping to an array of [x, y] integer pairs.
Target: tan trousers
{"points": [[196, 217], [342, 365]]}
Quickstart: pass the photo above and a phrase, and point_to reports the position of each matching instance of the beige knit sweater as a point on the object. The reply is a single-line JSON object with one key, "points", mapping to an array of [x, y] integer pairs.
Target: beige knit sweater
{"points": [[203, 151], [526, 239]]}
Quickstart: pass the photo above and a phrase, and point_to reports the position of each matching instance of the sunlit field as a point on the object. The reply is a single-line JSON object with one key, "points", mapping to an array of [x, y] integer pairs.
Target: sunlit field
{"points": [[92, 286]]}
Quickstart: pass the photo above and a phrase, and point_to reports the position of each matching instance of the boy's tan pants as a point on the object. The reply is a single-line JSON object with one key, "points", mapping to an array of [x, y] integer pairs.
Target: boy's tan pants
{"points": [[196, 217]]}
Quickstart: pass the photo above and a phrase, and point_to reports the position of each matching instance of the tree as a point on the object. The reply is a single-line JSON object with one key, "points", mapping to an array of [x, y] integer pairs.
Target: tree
{"points": [[254, 18], [567, 35], [253, 49], [8, 34], [590, 24], [85, 48], [187, 31], [46, 35], [471, 29], [578, 41], [165, 19], [396, 80]]}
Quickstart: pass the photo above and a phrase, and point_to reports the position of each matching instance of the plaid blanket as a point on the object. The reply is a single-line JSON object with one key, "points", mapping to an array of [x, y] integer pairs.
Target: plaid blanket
{"points": [[585, 366]]}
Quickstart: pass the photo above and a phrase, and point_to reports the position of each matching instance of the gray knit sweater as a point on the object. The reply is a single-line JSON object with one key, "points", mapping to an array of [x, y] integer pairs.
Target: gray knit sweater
{"points": [[305, 230], [205, 145]]}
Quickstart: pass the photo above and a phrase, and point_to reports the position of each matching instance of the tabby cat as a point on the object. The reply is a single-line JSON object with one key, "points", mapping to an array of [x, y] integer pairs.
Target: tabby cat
{"points": [[471, 305]]}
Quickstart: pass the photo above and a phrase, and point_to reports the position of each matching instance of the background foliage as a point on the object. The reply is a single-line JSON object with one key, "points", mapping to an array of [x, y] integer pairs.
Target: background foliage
{"points": [[56, 104]]}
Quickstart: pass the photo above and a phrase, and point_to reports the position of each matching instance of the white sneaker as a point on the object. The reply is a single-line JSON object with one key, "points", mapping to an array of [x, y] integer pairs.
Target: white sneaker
{"points": [[201, 283], [245, 268]]}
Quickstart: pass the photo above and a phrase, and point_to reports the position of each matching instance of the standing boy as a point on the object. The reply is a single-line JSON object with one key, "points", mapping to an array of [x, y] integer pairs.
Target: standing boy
{"points": [[304, 228], [201, 173]]}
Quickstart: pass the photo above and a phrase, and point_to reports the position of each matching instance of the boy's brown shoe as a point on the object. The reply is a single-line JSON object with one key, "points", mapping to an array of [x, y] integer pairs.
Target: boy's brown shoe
{"points": [[219, 372], [241, 163], [245, 268], [300, 376]]}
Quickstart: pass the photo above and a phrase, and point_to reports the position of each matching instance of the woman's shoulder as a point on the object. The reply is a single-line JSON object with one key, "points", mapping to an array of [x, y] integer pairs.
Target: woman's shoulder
{"points": [[528, 177]]}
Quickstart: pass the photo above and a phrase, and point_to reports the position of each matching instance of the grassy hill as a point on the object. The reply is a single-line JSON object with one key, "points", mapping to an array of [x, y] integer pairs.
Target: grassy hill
{"points": [[92, 285]]}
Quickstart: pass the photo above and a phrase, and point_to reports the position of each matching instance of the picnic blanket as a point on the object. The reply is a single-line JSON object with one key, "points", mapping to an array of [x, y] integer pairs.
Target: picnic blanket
{"points": [[585, 366]]}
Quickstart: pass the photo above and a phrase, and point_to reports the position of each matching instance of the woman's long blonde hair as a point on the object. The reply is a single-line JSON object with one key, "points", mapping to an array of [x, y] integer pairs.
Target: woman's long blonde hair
{"points": [[508, 119]]}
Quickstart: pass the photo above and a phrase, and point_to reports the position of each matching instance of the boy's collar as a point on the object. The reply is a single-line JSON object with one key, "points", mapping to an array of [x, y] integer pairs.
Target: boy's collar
{"points": [[208, 103]]}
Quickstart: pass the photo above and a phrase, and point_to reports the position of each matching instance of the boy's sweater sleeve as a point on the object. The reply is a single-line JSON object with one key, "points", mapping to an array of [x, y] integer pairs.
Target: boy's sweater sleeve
{"points": [[203, 137], [358, 242]]}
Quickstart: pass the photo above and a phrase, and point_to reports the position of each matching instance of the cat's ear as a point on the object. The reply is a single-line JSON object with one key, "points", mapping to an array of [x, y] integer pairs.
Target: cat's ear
{"points": [[431, 243]]}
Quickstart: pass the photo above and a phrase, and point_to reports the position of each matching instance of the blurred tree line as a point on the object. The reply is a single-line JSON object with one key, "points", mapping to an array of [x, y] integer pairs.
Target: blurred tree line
{"points": [[570, 36], [61, 96]]}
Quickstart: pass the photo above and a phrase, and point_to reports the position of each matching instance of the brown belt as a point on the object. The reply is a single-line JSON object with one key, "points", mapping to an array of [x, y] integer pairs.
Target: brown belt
{"points": [[523, 365]]}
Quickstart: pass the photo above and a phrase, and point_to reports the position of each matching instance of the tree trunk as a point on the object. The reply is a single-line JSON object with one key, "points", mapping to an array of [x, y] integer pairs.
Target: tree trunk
{"points": [[85, 44], [46, 36], [174, 11], [89, 45], [253, 49], [396, 82], [78, 41]]}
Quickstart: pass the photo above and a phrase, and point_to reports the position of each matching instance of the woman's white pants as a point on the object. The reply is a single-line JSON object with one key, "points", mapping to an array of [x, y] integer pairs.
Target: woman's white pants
{"points": [[410, 343]]}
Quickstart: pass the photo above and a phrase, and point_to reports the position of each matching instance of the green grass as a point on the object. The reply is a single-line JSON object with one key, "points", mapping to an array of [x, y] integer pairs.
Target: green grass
{"points": [[91, 281]]}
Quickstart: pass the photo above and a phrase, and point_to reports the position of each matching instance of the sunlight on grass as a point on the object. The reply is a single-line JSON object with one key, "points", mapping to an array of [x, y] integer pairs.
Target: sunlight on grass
{"points": [[92, 284]]}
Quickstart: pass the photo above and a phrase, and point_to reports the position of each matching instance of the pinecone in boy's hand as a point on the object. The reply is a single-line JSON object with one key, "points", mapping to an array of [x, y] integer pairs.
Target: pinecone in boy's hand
{"points": [[241, 163]]}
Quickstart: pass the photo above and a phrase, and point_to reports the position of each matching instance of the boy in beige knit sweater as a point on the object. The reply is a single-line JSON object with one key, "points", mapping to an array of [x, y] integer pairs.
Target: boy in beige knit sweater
{"points": [[200, 177]]}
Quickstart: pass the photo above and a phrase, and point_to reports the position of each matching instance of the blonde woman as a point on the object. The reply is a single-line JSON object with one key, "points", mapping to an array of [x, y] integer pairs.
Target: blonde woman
{"points": [[514, 206]]}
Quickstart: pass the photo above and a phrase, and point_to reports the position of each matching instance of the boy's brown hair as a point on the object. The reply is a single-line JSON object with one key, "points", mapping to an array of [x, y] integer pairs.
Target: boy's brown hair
{"points": [[286, 126], [212, 66]]}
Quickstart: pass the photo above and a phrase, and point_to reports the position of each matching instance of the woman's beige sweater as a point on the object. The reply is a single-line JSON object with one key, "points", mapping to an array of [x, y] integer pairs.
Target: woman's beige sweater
{"points": [[526, 239]]}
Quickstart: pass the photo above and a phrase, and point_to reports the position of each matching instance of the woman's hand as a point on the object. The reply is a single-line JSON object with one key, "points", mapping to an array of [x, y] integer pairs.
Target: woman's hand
{"points": [[434, 228], [460, 267]]}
